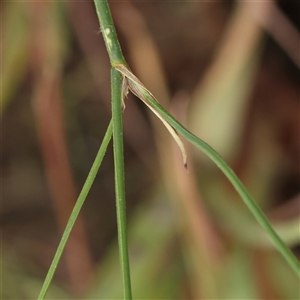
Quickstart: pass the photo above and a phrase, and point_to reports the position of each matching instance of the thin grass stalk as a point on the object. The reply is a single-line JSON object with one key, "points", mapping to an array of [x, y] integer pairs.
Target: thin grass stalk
{"points": [[108, 30], [81, 198], [120, 179], [116, 58]]}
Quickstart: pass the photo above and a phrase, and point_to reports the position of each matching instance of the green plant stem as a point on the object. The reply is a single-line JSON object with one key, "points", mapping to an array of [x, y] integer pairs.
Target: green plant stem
{"points": [[119, 179], [109, 33], [228, 172], [81, 198], [116, 57]]}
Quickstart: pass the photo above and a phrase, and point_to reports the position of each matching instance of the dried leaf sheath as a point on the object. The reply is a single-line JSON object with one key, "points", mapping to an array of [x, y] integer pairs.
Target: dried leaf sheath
{"points": [[132, 83]]}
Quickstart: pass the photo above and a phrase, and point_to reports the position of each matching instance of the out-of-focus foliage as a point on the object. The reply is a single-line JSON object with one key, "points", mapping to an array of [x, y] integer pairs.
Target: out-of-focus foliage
{"points": [[216, 67]]}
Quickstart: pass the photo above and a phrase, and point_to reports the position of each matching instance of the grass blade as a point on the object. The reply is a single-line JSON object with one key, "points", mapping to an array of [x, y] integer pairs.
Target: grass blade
{"points": [[81, 198], [228, 172]]}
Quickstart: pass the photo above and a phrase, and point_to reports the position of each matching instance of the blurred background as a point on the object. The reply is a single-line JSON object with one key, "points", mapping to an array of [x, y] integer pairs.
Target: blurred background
{"points": [[228, 70]]}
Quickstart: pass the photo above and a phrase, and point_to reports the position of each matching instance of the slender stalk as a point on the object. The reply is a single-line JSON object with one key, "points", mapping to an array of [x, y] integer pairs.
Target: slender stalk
{"points": [[116, 58], [109, 33], [119, 179], [228, 172], [81, 198]]}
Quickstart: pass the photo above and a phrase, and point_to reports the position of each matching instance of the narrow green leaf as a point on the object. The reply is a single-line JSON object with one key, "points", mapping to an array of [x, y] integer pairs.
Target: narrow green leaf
{"points": [[228, 172], [81, 198]]}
